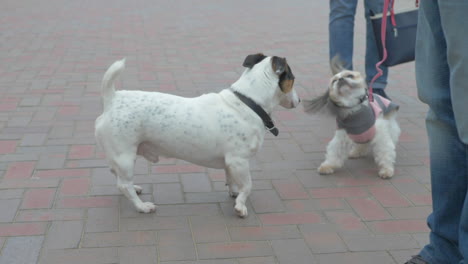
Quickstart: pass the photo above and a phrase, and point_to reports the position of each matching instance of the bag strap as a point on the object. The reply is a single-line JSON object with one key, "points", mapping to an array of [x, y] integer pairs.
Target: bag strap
{"points": [[383, 29], [392, 13]]}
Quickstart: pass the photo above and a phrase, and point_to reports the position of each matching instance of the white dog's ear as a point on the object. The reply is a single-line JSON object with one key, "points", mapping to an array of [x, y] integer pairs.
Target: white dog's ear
{"points": [[317, 104], [253, 59], [336, 65]]}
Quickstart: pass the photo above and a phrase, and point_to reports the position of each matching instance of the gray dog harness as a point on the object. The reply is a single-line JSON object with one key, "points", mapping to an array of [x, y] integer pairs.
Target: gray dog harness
{"points": [[360, 125]]}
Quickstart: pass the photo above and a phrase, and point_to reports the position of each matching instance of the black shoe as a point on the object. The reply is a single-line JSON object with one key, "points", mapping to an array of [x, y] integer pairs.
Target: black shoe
{"points": [[381, 92], [416, 260]]}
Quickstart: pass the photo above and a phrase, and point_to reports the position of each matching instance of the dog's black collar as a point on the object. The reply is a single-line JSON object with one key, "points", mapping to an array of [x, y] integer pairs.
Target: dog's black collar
{"points": [[259, 111]]}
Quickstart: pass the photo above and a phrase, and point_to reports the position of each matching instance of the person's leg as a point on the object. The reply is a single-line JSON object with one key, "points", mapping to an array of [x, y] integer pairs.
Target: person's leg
{"points": [[372, 53], [448, 154], [341, 30], [448, 157], [451, 12]]}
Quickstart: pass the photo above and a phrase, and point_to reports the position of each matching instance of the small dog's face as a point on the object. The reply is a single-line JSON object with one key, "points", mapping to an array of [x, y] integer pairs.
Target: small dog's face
{"points": [[346, 88]]}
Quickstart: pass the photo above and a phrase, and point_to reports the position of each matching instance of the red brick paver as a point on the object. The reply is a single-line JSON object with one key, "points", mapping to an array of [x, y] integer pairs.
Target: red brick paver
{"points": [[60, 203]]}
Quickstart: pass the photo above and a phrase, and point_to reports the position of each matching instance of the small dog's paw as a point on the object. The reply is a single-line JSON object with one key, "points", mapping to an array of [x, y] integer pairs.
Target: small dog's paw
{"points": [[241, 210], [325, 169], [386, 173], [146, 208], [138, 189], [233, 194]]}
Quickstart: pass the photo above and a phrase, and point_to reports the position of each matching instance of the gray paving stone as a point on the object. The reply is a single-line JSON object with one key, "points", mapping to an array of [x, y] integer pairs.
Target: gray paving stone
{"points": [[217, 261], [176, 245], [102, 220], [11, 194], [195, 182], [362, 242], [258, 260], [207, 229], [151, 222], [82, 255], [381, 257], [118, 239], [8, 209], [188, 209], [266, 201], [234, 250], [21, 250], [292, 251], [64, 234], [132, 254], [168, 193]]}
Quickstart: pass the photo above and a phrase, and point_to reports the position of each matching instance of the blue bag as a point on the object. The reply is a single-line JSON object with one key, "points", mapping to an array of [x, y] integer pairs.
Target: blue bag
{"points": [[400, 36]]}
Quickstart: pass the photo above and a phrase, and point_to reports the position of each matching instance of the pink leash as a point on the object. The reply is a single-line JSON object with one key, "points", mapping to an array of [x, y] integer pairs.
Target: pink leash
{"points": [[383, 30]]}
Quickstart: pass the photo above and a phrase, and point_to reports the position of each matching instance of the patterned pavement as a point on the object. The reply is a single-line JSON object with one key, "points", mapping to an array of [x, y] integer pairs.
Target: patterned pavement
{"points": [[59, 202]]}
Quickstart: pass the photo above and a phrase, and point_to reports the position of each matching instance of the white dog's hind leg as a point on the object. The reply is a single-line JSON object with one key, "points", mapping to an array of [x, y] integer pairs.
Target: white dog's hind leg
{"points": [[239, 170], [337, 153], [384, 151], [124, 167], [138, 189], [233, 190]]}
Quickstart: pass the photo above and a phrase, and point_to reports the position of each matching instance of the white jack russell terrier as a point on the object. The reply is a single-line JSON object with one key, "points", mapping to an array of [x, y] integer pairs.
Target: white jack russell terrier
{"points": [[217, 130]]}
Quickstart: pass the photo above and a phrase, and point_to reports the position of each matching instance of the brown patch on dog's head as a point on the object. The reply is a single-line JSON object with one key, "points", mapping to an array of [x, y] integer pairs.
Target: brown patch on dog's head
{"points": [[253, 59], [286, 77]]}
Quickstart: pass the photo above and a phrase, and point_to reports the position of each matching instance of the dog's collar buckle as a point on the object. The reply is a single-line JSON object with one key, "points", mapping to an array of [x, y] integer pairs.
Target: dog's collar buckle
{"points": [[274, 130], [267, 121]]}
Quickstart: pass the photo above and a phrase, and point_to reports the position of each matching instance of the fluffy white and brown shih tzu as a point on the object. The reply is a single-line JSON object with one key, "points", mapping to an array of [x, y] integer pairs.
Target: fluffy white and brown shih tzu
{"points": [[362, 126]]}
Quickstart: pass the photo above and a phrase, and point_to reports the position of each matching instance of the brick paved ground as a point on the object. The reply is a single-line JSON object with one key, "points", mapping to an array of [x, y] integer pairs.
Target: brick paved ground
{"points": [[59, 203]]}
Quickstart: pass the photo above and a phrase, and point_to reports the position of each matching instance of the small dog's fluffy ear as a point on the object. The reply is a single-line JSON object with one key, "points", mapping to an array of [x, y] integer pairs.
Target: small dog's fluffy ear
{"points": [[315, 105], [336, 65]]}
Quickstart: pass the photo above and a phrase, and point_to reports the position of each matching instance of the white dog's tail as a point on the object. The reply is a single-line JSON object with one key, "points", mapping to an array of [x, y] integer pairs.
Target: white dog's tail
{"points": [[107, 87]]}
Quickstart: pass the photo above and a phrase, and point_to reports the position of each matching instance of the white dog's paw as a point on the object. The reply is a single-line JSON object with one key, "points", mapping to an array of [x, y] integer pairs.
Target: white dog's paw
{"points": [[233, 194], [241, 210], [146, 207], [325, 169], [138, 189], [386, 173]]}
